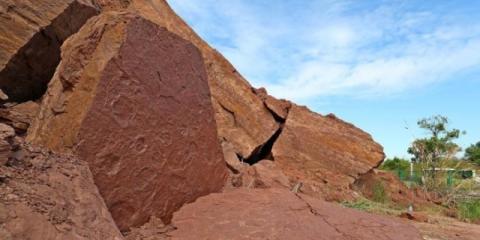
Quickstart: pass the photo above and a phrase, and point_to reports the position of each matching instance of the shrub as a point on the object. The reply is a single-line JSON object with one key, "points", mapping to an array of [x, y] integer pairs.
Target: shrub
{"points": [[378, 193], [395, 164], [469, 210]]}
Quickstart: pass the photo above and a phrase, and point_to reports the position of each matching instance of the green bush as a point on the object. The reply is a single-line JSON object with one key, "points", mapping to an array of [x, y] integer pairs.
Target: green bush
{"points": [[378, 193], [395, 164], [469, 210]]}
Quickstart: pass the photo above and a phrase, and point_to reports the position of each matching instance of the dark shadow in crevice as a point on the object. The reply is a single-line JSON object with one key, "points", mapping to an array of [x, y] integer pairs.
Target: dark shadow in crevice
{"points": [[264, 151], [275, 115], [26, 76]]}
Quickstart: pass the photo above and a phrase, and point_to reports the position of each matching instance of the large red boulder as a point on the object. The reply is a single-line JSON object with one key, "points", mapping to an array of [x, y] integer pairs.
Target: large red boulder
{"points": [[242, 119], [324, 153], [132, 99], [280, 214]]}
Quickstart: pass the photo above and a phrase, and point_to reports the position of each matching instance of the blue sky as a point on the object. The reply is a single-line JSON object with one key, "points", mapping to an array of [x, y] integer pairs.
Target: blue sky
{"points": [[380, 64]]}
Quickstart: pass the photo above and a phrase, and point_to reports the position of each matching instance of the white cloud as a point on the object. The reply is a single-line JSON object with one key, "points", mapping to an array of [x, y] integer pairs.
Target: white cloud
{"points": [[323, 48]]}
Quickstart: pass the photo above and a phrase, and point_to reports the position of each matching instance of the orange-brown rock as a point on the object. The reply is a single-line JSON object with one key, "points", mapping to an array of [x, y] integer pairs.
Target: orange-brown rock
{"points": [[264, 174], [51, 196], [6, 138], [31, 33], [324, 151], [279, 108], [133, 100], [280, 214], [20, 116], [113, 4], [241, 116]]}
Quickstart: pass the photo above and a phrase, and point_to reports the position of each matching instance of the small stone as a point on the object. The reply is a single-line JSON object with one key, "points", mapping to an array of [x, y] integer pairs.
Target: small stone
{"points": [[3, 96]]}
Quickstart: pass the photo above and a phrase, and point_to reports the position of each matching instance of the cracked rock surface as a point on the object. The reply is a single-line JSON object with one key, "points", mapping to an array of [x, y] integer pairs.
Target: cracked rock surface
{"points": [[280, 214]]}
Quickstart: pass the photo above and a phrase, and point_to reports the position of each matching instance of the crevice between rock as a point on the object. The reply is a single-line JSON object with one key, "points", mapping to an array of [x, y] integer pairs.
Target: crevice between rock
{"points": [[264, 151], [26, 76]]}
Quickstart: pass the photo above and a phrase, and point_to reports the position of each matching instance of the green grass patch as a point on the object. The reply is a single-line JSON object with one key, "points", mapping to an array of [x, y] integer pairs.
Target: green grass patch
{"points": [[469, 210], [378, 193]]}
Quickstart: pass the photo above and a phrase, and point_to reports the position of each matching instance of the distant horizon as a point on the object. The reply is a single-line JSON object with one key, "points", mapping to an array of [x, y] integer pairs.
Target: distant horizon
{"points": [[381, 65]]}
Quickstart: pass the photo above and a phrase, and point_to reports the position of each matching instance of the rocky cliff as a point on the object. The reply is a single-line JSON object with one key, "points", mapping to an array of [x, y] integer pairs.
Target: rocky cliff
{"points": [[178, 143]]}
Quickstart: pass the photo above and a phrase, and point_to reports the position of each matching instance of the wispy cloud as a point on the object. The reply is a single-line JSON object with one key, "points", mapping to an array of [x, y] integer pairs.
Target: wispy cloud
{"points": [[306, 49]]}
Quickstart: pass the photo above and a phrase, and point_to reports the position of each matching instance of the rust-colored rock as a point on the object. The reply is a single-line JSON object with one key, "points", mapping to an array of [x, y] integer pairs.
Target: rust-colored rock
{"points": [[113, 4], [279, 108], [52, 197], [280, 214], [31, 33], [324, 151], [20, 116], [133, 99], [241, 116], [6, 137], [264, 174]]}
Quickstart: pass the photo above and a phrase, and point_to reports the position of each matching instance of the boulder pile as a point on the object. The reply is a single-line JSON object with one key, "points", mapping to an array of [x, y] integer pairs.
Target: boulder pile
{"points": [[117, 121]]}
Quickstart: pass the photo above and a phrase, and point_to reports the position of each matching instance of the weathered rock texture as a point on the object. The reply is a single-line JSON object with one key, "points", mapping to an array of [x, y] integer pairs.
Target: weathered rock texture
{"points": [[20, 116], [278, 108], [133, 99], [241, 116], [324, 152], [51, 197], [280, 214], [7, 138], [31, 33]]}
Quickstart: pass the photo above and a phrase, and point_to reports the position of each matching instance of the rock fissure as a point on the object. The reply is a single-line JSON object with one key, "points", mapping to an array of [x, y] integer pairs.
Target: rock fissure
{"points": [[264, 151], [316, 213], [26, 75]]}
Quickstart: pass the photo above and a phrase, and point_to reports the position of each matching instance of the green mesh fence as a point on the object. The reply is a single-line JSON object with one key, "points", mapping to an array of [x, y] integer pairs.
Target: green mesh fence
{"points": [[449, 176]]}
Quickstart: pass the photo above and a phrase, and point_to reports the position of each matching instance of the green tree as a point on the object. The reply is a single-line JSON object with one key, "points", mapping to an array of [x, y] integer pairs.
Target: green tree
{"points": [[438, 145], [472, 153], [395, 164]]}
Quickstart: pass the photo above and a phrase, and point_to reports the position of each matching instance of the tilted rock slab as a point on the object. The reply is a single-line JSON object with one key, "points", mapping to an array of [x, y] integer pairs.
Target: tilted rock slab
{"points": [[241, 116], [324, 153], [31, 33], [133, 100], [280, 214]]}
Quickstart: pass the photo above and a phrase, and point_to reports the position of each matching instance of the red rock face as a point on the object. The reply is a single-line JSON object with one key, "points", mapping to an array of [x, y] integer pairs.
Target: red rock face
{"points": [[148, 129], [241, 116], [280, 214], [324, 152]]}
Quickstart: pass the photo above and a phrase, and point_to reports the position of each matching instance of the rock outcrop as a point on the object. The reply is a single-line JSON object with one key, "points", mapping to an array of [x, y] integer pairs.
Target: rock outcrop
{"points": [[325, 153], [280, 214], [50, 196], [132, 99], [31, 33], [138, 97]]}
